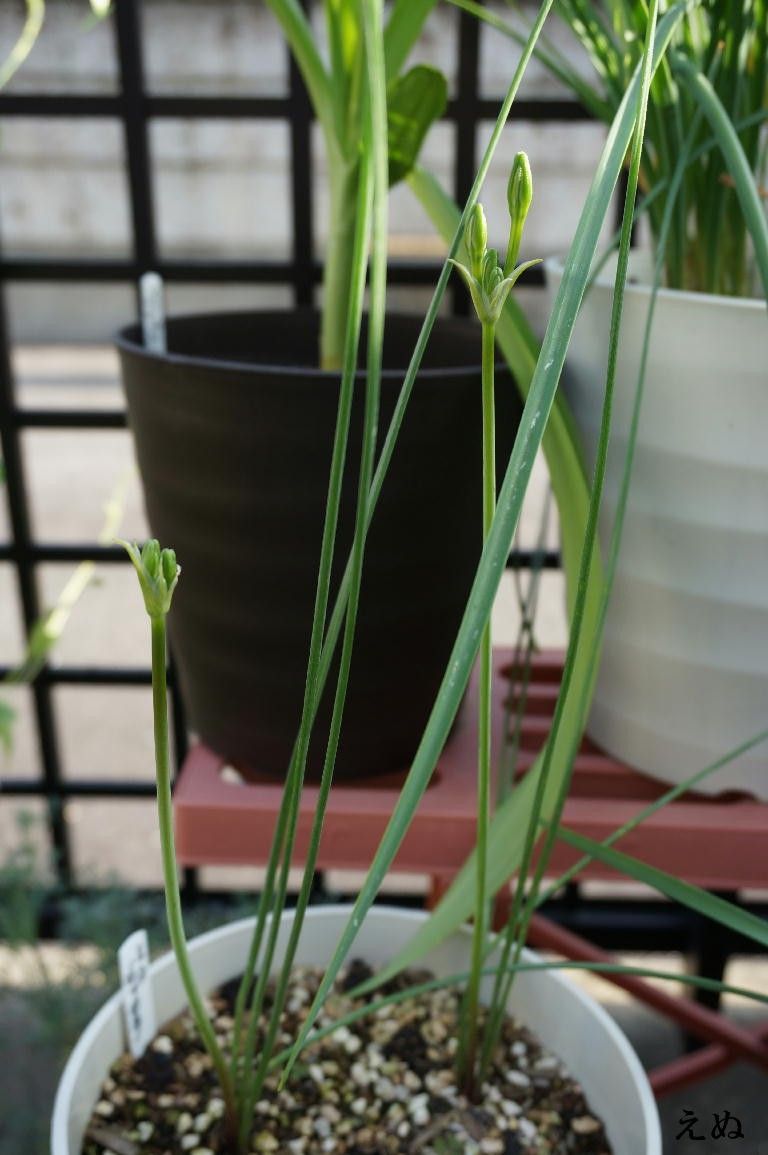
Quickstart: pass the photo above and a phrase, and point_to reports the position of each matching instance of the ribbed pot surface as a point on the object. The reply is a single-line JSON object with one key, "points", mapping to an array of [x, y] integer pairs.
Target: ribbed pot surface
{"points": [[684, 673]]}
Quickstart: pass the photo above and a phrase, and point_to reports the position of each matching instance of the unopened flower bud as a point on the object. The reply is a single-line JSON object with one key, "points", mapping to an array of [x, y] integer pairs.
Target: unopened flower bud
{"points": [[491, 274], [520, 188], [170, 567], [158, 574], [150, 557], [476, 239], [519, 198]]}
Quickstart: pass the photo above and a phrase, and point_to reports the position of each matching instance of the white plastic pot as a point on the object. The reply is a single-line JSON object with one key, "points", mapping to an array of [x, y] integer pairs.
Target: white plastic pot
{"points": [[684, 672], [567, 1020]]}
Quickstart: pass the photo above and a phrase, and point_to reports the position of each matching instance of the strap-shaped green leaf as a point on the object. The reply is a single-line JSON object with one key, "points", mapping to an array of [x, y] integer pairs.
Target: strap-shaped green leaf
{"points": [[414, 102], [718, 909], [402, 31]]}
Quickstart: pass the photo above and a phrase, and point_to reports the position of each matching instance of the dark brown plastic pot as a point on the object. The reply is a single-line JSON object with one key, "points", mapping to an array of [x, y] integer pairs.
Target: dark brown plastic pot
{"points": [[233, 432]]}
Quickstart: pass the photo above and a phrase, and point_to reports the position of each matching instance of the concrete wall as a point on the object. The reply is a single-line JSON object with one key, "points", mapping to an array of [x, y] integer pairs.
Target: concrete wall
{"points": [[222, 189]]}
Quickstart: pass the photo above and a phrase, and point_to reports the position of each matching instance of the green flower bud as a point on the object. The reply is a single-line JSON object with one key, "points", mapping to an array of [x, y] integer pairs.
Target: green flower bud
{"points": [[519, 198], [520, 189], [491, 274], [150, 558], [476, 238], [169, 566], [158, 574]]}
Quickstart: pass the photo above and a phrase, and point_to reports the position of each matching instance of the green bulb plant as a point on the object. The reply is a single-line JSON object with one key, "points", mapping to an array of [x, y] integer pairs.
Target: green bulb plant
{"points": [[709, 96], [531, 814]]}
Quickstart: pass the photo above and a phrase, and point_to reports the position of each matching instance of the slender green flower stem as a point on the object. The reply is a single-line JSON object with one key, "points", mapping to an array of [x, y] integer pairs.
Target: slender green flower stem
{"points": [[522, 913], [266, 903], [170, 874], [470, 1010]]}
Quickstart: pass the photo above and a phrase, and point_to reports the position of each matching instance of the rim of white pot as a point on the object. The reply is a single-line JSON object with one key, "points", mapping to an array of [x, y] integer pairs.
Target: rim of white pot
{"points": [[641, 267], [68, 1081]]}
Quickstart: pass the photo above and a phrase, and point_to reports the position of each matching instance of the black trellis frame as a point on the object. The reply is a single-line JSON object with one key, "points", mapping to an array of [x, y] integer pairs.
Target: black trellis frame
{"points": [[135, 108]]}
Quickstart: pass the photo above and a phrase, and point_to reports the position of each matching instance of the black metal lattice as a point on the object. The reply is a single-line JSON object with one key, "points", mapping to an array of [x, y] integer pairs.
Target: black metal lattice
{"points": [[135, 108]]}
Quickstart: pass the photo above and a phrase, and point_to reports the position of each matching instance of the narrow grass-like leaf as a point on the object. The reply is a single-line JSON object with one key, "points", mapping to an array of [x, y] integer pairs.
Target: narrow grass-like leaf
{"points": [[26, 41], [403, 28], [284, 836], [710, 905], [553, 60], [507, 833], [676, 791], [703, 93], [374, 147], [298, 32], [496, 549]]}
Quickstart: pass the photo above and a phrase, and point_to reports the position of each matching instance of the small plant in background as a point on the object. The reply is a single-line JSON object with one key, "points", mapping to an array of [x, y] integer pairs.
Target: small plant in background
{"points": [[712, 85]]}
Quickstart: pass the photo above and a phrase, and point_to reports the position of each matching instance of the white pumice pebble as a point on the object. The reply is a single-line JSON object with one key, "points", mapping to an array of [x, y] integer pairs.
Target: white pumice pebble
{"points": [[527, 1129], [518, 1079], [184, 1122], [510, 1108]]}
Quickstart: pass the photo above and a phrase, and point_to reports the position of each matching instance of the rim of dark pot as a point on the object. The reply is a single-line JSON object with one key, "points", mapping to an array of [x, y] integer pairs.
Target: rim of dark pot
{"points": [[129, 339]]}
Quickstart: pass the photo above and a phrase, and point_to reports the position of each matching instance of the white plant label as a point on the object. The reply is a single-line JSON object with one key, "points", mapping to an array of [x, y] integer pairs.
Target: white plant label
{"points": [[152, 312], [138, 1003]]}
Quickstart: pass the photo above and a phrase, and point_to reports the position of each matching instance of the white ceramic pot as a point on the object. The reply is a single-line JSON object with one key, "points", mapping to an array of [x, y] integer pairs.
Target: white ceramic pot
{"points": [[684, 672], [567, 1020]]}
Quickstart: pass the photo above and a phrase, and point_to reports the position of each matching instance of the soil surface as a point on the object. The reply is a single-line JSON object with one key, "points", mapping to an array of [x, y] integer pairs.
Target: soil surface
{"points": [[385, 1085]]}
